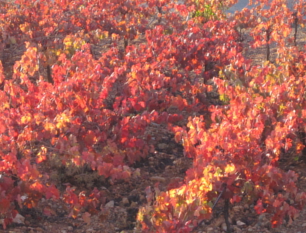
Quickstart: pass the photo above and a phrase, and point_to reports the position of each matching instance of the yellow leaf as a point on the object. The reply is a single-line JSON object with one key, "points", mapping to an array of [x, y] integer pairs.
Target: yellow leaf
{"points": [[25, 119], [62, 120], [299, 147], [41, 156], [230, 168], [134, 75], [49, 126]]}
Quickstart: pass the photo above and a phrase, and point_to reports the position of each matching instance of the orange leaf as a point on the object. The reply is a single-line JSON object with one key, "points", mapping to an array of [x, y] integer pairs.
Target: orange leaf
{"points": [[37, 186]]}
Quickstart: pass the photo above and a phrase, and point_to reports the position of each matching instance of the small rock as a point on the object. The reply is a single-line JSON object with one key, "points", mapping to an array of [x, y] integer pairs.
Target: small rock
{"points": [[162, 146], [18, 219], [224, 227], [240, 223], [210, 230], [237, 229], [177, 162], [262, 217], [237, 208], [134, 204], [158, 178], [219, 222], [63, 231], [304, 224], [24, 197], [69, 228], [110, 204], [125, 201]]}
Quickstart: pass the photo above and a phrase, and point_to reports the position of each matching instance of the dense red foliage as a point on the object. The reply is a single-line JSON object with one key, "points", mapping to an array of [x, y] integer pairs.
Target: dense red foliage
{"points": [[63, 106]]}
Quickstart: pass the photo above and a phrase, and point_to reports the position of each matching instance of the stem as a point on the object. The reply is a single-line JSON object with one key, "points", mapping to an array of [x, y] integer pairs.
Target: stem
{"points": [[49, 75], [226, 216], [126, 43], [223, 190], [295, 27], [268, 44]]}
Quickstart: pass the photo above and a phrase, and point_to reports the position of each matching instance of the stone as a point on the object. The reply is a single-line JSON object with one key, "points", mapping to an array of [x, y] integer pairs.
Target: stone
{"points": [[110, 204], [237, 208], [223, 226], [219, 222], [162, 146], [237, 229], [19, 219], [134, 204], [240, 223], [125, 201], [158, 178]]}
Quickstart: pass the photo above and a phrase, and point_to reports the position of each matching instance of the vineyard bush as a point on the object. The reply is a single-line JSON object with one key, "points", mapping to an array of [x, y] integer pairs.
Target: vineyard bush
{"points": [[76, 106]]}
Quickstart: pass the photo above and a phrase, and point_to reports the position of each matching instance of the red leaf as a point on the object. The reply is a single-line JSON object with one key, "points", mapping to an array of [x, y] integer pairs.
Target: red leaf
{"points": [[259, 207], [2, 127], [52, 192], [90, 138], [105, 169]]}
